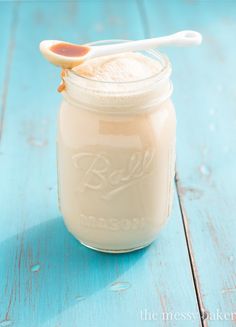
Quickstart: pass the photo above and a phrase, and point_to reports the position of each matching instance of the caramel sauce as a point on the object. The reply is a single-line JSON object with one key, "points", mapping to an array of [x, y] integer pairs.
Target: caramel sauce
{"points": [[62, 86], [63, 73], [69, 50]]}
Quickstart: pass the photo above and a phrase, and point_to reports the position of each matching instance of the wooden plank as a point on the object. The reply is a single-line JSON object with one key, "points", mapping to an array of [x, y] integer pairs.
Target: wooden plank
{"points": [[47, 277], [204, 82]]}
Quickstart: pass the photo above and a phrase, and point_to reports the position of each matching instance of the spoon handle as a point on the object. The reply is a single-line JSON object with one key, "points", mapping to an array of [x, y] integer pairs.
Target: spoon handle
{"points": [[184, 38]]}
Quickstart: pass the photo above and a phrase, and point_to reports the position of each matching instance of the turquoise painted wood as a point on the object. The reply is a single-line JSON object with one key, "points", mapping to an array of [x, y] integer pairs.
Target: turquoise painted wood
{"points": [[206, 153], [46, 277]]}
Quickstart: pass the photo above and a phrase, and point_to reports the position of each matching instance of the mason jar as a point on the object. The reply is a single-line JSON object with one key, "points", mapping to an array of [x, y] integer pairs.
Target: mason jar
{"points": [[116, 158]]}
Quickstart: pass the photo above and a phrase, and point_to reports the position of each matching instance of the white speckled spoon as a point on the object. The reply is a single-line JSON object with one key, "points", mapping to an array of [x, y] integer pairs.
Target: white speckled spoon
{"points": [[69, 55]]}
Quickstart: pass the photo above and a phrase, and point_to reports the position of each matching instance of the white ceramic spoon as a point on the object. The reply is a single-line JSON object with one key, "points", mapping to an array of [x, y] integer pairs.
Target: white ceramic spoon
{"points": [[69, 55]]}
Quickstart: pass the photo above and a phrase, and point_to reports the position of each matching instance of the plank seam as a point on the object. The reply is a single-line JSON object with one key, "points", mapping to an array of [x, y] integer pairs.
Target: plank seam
{"points": [[10, 51], [144, 18], [196, 282]]}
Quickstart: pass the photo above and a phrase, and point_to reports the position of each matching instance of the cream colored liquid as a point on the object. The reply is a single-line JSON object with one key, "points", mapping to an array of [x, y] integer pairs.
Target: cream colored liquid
{"points": [[116, 171]]}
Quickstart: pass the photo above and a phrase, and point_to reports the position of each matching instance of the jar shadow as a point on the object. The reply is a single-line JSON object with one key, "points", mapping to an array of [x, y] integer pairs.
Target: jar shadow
{"points": [[45, 271]]}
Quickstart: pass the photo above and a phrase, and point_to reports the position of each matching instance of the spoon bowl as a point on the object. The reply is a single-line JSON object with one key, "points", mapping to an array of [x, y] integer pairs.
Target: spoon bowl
{"points": [[64, 54]]}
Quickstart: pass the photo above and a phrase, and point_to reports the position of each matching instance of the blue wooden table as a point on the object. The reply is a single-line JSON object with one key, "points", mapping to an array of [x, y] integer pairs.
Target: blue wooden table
{"points": [[188, 276]]}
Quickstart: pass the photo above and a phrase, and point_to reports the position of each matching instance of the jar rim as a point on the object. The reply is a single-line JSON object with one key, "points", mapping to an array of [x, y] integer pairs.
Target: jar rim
{"points": [[163, 73]]}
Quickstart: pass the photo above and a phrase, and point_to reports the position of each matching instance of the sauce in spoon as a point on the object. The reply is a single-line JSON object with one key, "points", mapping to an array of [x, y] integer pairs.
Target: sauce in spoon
{"points": [[69, 50]]}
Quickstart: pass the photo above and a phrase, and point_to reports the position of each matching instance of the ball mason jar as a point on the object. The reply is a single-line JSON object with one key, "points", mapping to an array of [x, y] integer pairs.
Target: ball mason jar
{"points": [[116, 158]]}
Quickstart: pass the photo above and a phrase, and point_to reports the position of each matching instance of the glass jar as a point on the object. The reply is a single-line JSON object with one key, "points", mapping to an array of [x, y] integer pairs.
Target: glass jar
{"points": [[116, 158]]}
